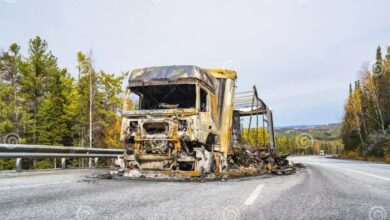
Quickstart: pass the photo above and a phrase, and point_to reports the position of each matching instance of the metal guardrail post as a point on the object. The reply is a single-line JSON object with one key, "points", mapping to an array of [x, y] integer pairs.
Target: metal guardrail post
{"points": [[63, 163], [18, 164], [96, 161], [90, 163]]}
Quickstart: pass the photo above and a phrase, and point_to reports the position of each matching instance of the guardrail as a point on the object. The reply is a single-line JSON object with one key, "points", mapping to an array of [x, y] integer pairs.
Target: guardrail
{"points": [[20, 151]]}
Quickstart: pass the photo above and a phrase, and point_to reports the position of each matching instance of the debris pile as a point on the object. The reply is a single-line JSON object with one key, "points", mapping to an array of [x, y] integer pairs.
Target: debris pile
{"points": [[250, 161], [244, 161]]}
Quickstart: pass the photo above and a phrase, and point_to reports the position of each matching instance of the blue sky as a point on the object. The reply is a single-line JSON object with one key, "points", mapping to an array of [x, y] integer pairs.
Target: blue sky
{"points": [[301, 54]]}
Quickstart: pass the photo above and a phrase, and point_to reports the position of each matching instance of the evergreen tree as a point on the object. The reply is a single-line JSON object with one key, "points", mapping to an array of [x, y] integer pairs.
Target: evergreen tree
{"points": [[379, 57], [9, 89]]}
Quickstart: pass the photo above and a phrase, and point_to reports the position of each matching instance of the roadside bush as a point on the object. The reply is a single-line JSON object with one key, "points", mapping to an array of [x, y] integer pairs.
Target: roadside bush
{"points": [[44, 164], [352, 154], [7, 164]]}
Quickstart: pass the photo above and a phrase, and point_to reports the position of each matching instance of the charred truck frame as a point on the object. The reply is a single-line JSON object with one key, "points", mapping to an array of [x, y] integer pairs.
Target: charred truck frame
{"points": [[183, 120]]}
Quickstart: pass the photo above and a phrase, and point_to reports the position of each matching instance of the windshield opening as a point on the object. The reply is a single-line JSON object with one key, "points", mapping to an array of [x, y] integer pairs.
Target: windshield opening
{"points": [[162, 97]]}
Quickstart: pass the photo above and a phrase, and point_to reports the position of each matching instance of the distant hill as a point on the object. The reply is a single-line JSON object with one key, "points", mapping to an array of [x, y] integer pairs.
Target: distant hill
{"points": [[335, 126], [328, 132], [296, 127]]}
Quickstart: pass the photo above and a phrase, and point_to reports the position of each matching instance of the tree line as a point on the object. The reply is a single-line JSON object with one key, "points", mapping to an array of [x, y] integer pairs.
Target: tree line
{"points": [[43, 103], [365, 126], [297, 141]]}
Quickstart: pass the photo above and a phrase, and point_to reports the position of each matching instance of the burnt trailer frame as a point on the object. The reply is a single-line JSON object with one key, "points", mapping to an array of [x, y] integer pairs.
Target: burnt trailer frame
{"points": [[248, 104]]}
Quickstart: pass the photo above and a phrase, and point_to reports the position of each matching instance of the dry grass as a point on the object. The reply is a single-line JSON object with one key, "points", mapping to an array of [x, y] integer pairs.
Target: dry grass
{"points": [[356, 155]]}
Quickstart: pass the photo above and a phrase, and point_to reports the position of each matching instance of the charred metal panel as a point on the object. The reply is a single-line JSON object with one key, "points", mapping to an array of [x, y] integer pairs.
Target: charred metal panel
{"points": [[236, 131], [220, 97], [171, 74], [227, 117]]}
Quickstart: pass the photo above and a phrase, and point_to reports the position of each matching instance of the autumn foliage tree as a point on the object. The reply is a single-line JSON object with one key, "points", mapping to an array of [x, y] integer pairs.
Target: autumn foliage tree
{"points": [[366, 119]]}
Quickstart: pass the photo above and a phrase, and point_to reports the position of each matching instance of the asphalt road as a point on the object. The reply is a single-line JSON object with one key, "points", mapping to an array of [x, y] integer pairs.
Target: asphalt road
{"points": [[326, 189]]}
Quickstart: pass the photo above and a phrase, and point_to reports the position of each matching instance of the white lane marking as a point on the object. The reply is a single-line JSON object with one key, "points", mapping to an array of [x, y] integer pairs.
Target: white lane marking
{"points": [[360, 172], [253, 196], [32, 185]]}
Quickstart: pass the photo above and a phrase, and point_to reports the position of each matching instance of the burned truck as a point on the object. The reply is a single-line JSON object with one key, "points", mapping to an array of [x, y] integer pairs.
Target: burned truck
{"points": [[183, 120]]}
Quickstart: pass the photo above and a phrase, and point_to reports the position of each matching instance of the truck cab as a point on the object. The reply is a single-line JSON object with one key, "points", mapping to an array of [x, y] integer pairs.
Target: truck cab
{"points": [[170, 120]]}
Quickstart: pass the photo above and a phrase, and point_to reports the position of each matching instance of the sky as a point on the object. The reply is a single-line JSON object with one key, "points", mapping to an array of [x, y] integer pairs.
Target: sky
{"points": [[300, 54]]}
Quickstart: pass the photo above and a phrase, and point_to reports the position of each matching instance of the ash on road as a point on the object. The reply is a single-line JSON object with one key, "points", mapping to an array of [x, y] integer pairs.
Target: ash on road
{"points": [[326, 189]]}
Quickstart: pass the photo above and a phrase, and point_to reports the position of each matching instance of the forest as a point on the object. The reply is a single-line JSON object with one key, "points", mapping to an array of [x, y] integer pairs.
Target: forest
{"points": [[365, 126], [42, 103]]}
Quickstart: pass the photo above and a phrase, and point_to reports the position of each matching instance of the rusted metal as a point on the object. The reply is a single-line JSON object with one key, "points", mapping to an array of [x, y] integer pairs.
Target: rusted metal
{"points": [[180, 173]]}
